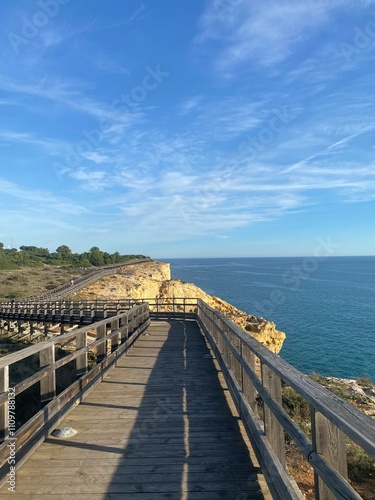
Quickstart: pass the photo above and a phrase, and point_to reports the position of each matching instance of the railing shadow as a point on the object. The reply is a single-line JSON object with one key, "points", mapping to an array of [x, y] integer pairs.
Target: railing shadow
{"points": [[185, 442]]}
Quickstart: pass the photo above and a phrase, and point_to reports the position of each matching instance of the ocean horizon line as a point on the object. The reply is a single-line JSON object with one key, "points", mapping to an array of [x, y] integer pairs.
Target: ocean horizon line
{"points": [[321, 257]]}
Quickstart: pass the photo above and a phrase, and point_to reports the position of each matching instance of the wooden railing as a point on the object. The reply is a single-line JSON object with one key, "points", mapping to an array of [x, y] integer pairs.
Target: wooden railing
{"points": [[105, 342], [86, 312], [65, 311], [91, 276], [332, 419], [255, 377]]}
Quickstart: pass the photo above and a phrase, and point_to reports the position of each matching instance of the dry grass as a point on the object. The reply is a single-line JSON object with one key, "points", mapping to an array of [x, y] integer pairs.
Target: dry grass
{"points": [[28, 281]]}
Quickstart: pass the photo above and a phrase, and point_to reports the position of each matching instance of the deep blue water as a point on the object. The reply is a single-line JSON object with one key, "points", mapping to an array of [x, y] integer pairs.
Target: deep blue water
{"points": [[326, 307]]}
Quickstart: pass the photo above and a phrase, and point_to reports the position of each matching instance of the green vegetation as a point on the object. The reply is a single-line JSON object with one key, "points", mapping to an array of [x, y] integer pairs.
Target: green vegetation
{"points": [[32, 271], [26, 281], [361, 467], [32, 256]]}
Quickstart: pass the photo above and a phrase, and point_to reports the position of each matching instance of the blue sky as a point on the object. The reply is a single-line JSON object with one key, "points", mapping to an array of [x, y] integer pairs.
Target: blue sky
{"points": [[188, 129]]}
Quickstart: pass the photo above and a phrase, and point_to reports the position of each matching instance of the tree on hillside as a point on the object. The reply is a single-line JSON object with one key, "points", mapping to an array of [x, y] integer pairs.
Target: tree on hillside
{"points": [[34, 251], [64, 252], [96, 256]]}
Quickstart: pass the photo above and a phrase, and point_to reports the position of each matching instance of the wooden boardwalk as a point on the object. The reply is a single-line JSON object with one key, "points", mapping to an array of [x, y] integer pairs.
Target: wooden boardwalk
{"points": [[159, 426]]}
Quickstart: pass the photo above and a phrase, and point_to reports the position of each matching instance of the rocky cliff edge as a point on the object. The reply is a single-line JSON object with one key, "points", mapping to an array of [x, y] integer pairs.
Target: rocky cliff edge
{"points": [[153, 280]]}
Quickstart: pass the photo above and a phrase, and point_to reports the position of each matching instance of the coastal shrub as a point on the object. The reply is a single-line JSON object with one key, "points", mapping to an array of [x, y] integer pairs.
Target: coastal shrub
{"points": [[297, 408], [339, 389], [364, 382], [361, 467]]}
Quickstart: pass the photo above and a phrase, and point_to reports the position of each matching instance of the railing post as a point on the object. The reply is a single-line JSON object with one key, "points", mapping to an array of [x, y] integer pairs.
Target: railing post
{"points": [[92, 311], [248, 387], [239, 366], [116, 338], [273, 430], [101, 350], [81, 360], [81, 312], [4, 387], [124, 329], [48, 383], [31, 329], [328, 441]]}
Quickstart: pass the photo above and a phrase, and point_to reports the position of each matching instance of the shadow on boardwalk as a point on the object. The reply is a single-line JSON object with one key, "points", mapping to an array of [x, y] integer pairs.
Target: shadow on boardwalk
{"points": [[185, 442], [158, 427]]}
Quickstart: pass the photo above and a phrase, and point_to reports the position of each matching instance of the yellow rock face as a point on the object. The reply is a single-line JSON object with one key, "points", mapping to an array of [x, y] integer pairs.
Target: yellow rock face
{"points": [[153, 280]]}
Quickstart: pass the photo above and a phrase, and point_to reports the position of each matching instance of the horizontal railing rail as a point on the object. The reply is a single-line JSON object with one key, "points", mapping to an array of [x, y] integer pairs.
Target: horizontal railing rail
{"points": [[89, 277], [104, 343], [256, 389], [332, 419], [85, 312]]}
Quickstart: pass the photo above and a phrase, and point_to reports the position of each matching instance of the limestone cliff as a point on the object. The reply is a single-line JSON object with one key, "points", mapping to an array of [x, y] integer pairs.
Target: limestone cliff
{"points": [[153, 280]]}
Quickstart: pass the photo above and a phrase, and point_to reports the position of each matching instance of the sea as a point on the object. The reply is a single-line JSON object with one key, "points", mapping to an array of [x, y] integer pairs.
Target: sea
{"points": [[326, 306]]}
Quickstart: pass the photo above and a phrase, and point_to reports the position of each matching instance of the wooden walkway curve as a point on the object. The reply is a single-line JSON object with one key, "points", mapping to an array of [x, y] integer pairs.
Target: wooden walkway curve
{"points": [[160, 426]]}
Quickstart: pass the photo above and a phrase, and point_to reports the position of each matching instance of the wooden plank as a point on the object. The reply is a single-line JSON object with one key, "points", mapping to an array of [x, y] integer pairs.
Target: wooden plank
{"points": [[4, 387], [35, 349], [47, 383], [357, 425], [81, 360], [115, 340], [273, 430], [248, 387], [277, 479], [101, 349], [328, 441], [172, 431], [31, 434]]}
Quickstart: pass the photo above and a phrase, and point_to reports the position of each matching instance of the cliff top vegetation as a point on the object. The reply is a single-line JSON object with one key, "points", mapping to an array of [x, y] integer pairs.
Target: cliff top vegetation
{"points": [[32, 256]]}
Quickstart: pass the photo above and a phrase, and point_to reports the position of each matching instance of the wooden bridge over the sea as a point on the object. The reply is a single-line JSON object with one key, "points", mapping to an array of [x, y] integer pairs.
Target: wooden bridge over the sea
{"points": [[169, 400]]}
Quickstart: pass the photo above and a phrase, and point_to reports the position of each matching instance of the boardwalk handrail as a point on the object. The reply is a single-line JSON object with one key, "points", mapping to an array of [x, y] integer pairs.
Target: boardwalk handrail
{"points": [[112, 338], [91, 276], [88, 311], [331, 418]]}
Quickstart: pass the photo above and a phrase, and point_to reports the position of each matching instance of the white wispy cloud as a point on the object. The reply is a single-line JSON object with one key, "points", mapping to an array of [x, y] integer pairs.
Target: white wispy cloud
{"points": [[98, 157], [106, 63], [28, 138], [189, 104], [139, 13], [40, 200], [267, 32], [72, 95]]}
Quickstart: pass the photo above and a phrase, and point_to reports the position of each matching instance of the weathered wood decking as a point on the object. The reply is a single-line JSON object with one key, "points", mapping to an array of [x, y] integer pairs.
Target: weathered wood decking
{"points": [[159, 426]]}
